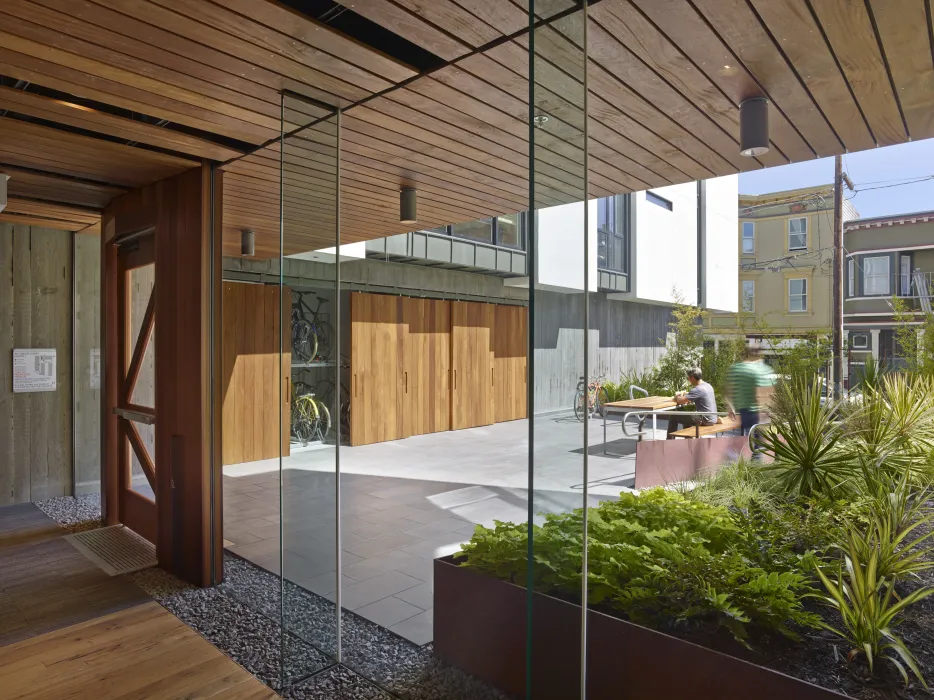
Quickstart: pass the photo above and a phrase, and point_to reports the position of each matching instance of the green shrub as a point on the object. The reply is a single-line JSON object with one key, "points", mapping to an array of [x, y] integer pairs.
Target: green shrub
{"points": [[809, 459], [658, 558]]}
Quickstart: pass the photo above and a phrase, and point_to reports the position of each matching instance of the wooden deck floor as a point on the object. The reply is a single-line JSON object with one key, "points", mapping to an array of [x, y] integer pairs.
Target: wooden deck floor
{"points": [[143, 653]]}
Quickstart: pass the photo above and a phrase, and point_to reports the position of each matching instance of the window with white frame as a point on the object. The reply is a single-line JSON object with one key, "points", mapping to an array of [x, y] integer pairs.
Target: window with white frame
{"points": [[797, 295], [749, 238], [904, 265], [798, 233], [876, 275], [851, 278], [749, 296], [860, 341]]}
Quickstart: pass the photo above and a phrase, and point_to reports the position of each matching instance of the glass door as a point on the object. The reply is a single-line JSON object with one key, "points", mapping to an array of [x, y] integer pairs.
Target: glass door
{"points": [[136, 405]]}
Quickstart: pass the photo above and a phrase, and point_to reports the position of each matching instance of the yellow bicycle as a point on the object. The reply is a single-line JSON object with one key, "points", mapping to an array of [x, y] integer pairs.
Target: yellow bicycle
{"points": [[311, 419]]}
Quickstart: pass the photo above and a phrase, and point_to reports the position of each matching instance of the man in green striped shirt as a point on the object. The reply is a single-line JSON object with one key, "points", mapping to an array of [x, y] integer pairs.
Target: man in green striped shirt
{"points": [[749, 385]]}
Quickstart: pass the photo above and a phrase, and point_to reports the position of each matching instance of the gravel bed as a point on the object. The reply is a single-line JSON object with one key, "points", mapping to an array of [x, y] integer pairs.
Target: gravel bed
{"points": [[335, 683], [74, 513]]}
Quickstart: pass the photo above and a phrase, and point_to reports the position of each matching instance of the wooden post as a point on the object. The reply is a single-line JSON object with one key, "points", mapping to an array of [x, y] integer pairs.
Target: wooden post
{"points": [[185, 212]]}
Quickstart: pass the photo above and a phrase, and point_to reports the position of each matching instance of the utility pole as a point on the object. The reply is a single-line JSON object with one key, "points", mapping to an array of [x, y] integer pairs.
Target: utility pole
{"points": [[838, 277]]}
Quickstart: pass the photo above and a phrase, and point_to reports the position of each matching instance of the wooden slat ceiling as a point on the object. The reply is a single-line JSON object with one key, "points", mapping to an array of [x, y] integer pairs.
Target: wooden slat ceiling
{"points": [[665, 80]]}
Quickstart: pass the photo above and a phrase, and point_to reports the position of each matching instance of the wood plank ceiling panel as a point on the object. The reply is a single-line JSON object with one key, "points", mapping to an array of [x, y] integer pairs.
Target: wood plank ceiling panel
{"points": [[740, 29], [692, 58], [801, 40], [848, 28], [51, 210], [908, 51], [81, 117], [34, 146], [57, 188]]}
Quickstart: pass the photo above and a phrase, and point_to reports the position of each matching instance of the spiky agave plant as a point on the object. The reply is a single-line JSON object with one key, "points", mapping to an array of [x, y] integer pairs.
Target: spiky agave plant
{"points": [[869, 610], [809, 458]]}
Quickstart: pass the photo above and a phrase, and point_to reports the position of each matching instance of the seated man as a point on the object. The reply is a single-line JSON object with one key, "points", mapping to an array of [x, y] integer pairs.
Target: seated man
{"points": [[701, 395]]}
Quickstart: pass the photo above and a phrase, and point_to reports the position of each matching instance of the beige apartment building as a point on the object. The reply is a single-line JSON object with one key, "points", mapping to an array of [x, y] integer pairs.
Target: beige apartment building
{"points": [[785, 242]]}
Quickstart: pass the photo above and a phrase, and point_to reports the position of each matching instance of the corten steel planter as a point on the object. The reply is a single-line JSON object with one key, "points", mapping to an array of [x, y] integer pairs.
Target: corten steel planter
{"points": [[480, 627]]}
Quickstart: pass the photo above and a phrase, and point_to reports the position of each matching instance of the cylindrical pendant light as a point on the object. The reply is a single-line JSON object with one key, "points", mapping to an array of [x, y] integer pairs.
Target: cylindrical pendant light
{"points": [[247, 243], [754, 126], [407, 205]]}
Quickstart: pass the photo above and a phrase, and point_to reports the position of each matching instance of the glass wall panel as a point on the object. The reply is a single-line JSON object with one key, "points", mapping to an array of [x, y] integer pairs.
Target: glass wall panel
{"points": [[87, 363], [312, 410], [565, 395]]}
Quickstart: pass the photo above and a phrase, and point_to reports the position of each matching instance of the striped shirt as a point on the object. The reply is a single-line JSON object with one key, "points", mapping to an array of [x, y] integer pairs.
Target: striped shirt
{"points": [[744, 381]]}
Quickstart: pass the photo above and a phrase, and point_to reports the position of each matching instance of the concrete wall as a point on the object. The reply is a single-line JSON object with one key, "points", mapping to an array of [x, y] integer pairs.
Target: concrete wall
{"points": [[35, 312], [624, 336], [87, 342]]}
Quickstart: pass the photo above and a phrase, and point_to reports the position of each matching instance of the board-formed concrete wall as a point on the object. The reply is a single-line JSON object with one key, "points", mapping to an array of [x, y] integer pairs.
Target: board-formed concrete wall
{"points": [[35, 312]]}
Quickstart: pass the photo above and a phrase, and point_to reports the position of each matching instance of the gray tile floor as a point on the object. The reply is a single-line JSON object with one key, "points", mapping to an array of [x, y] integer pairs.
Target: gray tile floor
{"points": [[406, 502]]}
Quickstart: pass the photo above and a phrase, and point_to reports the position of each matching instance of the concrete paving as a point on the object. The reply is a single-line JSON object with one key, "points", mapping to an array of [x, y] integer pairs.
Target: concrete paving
{"points": [[406, 502]]}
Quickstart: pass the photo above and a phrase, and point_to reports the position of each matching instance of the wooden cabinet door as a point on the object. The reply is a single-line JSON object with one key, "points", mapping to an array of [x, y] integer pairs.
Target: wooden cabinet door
{"points": [[509, 362], [427, 365], [376, 368], [471, 364]]}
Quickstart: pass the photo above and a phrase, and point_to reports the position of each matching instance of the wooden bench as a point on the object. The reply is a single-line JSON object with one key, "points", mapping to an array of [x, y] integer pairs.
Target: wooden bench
{"points": [[723, 425]]}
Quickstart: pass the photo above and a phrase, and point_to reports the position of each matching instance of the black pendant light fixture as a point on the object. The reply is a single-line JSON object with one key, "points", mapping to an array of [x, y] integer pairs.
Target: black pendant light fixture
{"points": [[754, 127], [247, 243], [407, 205]]}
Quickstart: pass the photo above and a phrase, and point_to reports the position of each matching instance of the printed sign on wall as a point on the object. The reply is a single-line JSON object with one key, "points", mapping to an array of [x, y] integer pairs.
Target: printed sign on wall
{"points": [[34, 370]]}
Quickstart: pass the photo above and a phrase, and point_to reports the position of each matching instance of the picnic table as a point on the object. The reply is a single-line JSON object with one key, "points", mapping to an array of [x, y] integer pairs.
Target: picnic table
{"points": [[646, 403]]}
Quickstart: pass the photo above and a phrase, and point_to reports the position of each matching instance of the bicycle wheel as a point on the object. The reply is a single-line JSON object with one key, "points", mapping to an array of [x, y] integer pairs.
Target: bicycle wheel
{"points": [[323, 425], [325, 334], [302, 429], [304, 342], [580, 405]]}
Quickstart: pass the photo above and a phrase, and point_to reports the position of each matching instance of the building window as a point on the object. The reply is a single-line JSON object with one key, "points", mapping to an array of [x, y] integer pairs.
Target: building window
{"points": [[851, 278], [749, 238], [749, 296], [509, 231], [904, 262], [876, 275], [798, 233], [797, 295], [660, 201], [860, 341], [612, 225], [479, 230]]}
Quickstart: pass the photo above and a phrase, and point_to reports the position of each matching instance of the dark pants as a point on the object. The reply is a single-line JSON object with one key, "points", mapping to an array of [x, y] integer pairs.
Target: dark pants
{"points": [[748, 418], [676, 422]]}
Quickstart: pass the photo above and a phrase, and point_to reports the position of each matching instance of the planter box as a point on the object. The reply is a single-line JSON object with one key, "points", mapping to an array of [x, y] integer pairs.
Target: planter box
{"points": [[662, 462], [480, 627]]}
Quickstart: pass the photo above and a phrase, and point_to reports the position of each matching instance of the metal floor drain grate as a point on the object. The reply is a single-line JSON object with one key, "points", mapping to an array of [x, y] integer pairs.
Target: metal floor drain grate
{"points": [[115, 549]]}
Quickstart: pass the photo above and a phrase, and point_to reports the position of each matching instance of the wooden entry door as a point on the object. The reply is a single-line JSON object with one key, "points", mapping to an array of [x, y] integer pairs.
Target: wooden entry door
{"points": [[510, 349], [471, 364], [136, 405], [426, 375], [376, 371]]}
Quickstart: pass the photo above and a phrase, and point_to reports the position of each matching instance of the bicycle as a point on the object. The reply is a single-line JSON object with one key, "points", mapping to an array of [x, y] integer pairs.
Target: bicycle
{"points": [[311, 419], [325, 391], [596, 395], [311, 334]]}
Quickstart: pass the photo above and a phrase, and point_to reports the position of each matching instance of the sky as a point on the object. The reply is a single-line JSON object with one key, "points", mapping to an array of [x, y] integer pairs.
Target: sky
{"points": [[877, 168]]}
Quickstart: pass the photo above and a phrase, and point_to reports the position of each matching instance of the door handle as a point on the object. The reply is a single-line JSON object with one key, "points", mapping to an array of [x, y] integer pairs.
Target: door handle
{"points": [[288, 389], [455, 379], [491, 376], [406, 382], [355, 386]]}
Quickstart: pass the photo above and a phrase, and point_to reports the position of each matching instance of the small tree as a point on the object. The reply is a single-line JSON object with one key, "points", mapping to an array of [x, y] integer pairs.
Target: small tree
{"points": [[916, 342], [684, 348], [718, 358]]}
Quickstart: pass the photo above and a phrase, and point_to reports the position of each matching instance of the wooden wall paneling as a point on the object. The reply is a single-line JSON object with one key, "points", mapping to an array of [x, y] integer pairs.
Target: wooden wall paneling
{"points": [[510, 348], [472, 401], [376, 370], [426, 365], [232, 304]]}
